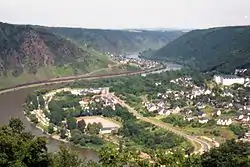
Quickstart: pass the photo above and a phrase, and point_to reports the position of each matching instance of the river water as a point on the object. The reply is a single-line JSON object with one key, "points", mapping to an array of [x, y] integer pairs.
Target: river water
{"points": [[11, 106]]}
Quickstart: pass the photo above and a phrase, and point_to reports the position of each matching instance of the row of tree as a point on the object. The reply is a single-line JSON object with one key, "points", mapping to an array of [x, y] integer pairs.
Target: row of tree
{"points": [[19, 148]]}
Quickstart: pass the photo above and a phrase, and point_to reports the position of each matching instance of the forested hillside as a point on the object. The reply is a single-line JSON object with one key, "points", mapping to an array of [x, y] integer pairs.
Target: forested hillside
{"points": [[222, 49], [118, 41], [27, 52]]}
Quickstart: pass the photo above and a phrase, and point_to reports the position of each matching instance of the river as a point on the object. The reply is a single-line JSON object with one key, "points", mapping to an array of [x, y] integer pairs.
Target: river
{"points": [[11, 106]]}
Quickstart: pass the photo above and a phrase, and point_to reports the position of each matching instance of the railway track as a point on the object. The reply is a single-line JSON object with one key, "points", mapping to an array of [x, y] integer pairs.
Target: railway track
{"points": [[73, 78]]}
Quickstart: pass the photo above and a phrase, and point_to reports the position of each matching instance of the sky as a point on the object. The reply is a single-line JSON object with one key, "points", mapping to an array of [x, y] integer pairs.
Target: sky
{"points": [[120, 14]]}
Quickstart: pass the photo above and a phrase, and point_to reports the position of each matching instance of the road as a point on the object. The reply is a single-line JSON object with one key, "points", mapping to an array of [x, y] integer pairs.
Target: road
{"points": [[204, 145], [74, 78]]}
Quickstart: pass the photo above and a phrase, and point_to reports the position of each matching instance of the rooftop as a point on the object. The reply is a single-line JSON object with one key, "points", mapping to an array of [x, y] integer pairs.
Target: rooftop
{"points": [[228, 76]]}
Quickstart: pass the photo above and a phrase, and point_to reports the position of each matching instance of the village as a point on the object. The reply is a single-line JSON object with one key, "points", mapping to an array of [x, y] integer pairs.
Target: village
{"points": [[222, 102], [89, 97], [134, 60]]}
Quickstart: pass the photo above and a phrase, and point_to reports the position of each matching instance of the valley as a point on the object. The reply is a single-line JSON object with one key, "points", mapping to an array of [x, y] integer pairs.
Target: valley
{"points": [[34, 53], [118, 96]]}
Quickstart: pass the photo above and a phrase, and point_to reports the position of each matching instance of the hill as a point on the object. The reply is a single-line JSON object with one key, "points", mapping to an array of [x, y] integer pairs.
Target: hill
{"points": [[28, 53], [222, 49], [118, 41]]}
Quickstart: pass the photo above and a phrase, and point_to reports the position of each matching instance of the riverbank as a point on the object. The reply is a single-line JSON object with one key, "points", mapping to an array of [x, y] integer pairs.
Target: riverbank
{"points": [[91, 147], [74, 78], [42, 122]]}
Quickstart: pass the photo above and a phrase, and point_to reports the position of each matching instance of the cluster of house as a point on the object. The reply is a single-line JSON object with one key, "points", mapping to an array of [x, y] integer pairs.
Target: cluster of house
{"points": [[161, 108], [243, 116], [192, 96], [41, 116], [83, 92], [142, 63], [185, 81], [102, 96], [190, 115]]}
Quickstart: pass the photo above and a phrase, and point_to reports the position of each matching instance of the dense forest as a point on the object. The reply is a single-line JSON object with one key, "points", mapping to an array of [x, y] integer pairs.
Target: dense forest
{"points": [[118, 41], [19, 148], [222, 49]]}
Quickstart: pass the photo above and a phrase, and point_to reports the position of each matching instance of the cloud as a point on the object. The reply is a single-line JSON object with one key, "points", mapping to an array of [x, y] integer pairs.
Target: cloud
{"points": [[126, 13]]}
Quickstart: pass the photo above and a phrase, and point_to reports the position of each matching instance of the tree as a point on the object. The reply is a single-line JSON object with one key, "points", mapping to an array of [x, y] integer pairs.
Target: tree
{"points": [[81, 125], [41, 101], [171, 159], [16, 125], [65, 158], [21, 149], [76, 136], [33, 118], [63, 133], [238, 130], [34, 101], [229, 154], [94, 128], [71, 123], [51, 128], [56, 113]]}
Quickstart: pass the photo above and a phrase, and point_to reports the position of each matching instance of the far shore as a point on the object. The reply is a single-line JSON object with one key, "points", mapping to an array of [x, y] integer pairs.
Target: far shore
{"points": [[72, 79]]}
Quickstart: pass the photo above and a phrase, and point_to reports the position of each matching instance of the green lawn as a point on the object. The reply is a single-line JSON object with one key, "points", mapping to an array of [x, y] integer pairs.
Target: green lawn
{"points": [[225, 132]]}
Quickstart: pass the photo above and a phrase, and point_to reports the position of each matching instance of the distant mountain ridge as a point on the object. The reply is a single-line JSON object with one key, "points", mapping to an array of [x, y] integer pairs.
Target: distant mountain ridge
{"points": [[24, 50], [117, 41], [222, 49], [164, 29], [30, 52]]}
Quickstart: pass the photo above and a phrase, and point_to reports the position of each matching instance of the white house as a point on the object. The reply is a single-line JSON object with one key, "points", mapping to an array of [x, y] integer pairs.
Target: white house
{"points": [[240, 117], [151, 107], [188, 118], [228, 80], [224, 122], [157, 83], [217, 113], [176, 110], [246, 119], [203, 120], [247, 135], [239, 71]]}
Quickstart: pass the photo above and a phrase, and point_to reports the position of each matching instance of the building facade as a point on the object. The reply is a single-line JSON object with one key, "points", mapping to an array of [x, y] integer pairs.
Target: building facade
{"points": [[227, 80]]}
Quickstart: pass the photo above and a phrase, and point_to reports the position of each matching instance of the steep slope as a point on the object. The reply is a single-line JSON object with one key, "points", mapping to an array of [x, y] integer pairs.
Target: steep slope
{"points": [[222, 49], [118, 41], [27, 51]]}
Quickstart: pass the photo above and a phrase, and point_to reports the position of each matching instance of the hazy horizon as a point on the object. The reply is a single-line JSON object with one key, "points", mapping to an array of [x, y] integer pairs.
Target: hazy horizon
{"points": [[127, 14]]}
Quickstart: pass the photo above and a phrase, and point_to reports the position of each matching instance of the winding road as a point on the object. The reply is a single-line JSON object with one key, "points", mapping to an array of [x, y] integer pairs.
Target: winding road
{"points": [[204, 145]]}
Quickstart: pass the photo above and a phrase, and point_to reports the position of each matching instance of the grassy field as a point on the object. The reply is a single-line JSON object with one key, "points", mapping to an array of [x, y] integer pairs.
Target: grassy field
{"points": [[224, 132], [45, 73], [94, 62]]}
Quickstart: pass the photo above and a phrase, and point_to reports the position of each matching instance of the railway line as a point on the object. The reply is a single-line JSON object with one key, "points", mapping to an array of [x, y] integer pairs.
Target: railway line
{"points": [[73, 78]]}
